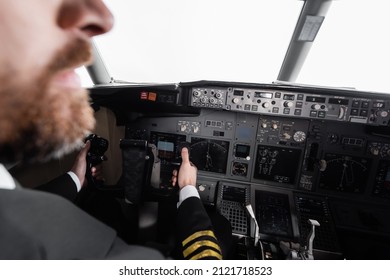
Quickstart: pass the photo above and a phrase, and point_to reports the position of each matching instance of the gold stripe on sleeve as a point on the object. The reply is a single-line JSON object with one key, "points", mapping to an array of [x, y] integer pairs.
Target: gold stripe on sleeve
{"points": [[198, 234], [206, 253], [199, 244]]}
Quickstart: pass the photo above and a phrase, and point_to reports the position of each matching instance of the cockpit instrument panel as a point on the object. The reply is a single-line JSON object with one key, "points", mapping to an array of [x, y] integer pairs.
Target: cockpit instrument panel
{"points": [[294, 153]]}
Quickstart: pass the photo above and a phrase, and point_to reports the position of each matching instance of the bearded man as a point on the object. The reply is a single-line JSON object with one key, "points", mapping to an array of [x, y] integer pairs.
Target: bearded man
{"points": [[45, 113]]}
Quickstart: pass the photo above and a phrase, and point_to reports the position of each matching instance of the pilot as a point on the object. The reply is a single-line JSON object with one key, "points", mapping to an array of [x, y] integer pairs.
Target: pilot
{"points": [[45, 113], [69, 185]]}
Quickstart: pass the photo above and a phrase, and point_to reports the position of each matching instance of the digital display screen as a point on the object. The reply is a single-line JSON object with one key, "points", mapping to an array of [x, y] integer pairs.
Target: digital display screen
{"points": [[209, 155], [242, 151], [277, 164], [345, 173], [166, 144], [315, 99], [263, 95], [288, 97], [167, 151], [273, 213], [238, 92], [338, 101], [234, 194]]}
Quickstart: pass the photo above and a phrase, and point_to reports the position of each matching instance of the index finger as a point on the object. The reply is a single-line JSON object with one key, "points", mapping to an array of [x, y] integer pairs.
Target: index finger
{"points": [[185, 156]]}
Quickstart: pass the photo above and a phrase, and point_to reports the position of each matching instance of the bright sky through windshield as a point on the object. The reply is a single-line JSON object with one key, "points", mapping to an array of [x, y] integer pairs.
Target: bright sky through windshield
{"points": [[352, 48], [244, 41]]}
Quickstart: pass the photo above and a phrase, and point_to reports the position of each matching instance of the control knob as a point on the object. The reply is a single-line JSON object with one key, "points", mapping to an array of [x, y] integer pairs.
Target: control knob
{"points": [[288, 104], [183, 127], [196, 93], [195, 128], [235, 100], [382, 114], [213, 100], [266, 105], [204, 99], [374, 151], [316, 106], [218, 95]]}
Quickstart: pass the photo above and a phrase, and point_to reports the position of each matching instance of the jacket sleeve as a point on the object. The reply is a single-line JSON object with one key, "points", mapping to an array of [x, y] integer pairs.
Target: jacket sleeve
{"points": [[62, 185], [195, 233]]}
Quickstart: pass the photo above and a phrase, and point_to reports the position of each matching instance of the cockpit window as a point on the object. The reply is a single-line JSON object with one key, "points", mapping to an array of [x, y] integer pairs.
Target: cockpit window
{"points": [[245, 41], [352, 47]]}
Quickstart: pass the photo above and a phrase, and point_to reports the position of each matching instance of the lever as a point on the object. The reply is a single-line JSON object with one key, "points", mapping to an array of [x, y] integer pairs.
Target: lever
{"points": [[156, 169], [257, 228], [295, 251], [310, 238]]}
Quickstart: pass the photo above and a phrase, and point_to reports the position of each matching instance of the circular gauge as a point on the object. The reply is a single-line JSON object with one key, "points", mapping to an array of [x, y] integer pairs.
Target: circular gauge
{"points": [[263, 152], [299, 136], [344, 173], [239, 168], [209, 155]]}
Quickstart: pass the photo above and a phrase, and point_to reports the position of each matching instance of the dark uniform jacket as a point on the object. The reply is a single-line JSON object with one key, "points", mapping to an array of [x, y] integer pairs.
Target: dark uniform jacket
{"points": [[39, 225]]}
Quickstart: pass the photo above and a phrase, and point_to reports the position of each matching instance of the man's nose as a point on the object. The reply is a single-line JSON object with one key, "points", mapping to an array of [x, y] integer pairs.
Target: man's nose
{"points": [[92, 17]]}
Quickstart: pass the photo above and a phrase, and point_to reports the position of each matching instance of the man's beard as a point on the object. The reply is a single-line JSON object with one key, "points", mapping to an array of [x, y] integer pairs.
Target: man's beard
{"points": [[38, 122]]}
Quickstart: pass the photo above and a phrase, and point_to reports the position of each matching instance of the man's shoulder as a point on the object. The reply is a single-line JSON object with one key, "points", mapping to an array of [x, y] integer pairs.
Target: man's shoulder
{"points": [[54, 225]]}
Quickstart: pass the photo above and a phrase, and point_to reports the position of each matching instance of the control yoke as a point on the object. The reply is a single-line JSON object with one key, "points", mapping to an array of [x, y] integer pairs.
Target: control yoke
{"points": [[296, 251], [95, 156], [256, 229]]}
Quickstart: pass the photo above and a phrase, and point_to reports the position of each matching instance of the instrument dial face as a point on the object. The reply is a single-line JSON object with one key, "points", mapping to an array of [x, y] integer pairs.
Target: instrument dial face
{"points": [[239, 168], [345, 173], [209, 155], [299, 136]]}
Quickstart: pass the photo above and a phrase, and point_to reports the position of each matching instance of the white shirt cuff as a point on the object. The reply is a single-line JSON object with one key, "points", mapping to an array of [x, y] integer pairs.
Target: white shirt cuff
{"points": [[75, 179], [186, 192]]}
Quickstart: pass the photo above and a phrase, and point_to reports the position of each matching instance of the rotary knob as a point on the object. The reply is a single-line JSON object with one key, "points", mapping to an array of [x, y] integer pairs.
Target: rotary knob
{"points": [[196, 93], [374, 151], [204, 99], [183, 128], [213, 100], [266, 105], [288, 104], [236, 100], [218, 95], [316, 106], [382, 114]]}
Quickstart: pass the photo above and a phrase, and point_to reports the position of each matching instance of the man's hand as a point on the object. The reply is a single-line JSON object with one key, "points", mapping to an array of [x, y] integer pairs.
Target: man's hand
{"points": [[187, 172], [80, 166]]}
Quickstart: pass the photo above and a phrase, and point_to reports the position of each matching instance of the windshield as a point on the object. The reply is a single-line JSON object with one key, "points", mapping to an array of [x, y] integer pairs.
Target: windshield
{"points": [[245, 41]]}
